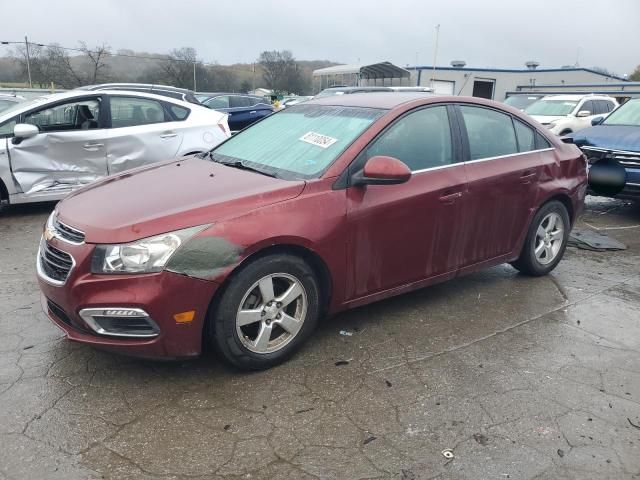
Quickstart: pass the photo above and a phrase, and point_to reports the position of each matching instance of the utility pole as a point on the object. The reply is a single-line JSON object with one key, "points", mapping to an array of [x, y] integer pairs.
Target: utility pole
{"points": [[26, 43], [435, 55], [194, 77], [253, 78]]}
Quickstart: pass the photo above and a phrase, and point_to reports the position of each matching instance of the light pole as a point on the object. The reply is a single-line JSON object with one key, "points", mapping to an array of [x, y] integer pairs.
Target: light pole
{"points": [[26, 43], [435, 56]]}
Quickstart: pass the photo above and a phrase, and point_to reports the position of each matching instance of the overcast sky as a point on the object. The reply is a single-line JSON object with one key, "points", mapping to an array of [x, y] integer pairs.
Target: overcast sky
{"points": [[488, 33]]}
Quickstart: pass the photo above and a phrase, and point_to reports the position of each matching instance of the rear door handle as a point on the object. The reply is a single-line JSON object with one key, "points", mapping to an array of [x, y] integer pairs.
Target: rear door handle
{"points": [[450, 197], [168, 135], [253, 112], [92, 146]]}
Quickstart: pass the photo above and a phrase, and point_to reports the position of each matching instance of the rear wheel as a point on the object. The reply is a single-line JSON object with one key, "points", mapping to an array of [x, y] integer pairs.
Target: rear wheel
{"points": [[266, 312], [546, 240]]}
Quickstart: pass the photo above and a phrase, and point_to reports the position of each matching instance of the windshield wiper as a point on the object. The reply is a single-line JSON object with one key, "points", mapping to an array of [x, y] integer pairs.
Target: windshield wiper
{"points": [[240, 165]]}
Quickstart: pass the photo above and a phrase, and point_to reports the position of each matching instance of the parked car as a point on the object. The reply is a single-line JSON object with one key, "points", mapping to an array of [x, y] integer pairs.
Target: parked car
{"points": [[522, 101], [290, 101], [613, 145], [243, 110], [183, 94], [327, 92], [565, 114], [322, 207], [9, 100], [53, 145]]}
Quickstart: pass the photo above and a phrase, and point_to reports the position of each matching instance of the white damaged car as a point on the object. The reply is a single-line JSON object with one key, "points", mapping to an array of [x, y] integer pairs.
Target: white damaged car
{"points": [[55, 144]]}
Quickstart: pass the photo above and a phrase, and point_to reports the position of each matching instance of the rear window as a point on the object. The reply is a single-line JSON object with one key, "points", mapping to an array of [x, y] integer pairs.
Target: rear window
{"points": [[299, 142], [180, 113]]}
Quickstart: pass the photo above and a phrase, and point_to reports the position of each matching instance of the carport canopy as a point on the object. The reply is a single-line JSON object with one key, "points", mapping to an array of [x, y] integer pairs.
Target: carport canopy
{"points": [[372, 71]]}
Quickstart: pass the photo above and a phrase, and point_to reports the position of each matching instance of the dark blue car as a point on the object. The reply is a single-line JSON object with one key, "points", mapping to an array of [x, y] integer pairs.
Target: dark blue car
{"points": [[243, 109], [614, 141]]}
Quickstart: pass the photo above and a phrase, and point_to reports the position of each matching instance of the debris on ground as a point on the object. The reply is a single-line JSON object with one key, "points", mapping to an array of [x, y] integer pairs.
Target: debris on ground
{"points": [[633, 424], [389, 384], [368, 440], [560, 453], [447, 453], [481, 438], [340, 363], [594, 241], [346, 333]]}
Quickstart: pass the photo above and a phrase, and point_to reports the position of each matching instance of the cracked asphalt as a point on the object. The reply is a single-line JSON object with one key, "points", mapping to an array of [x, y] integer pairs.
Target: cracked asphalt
{"points": [[522, 378]]}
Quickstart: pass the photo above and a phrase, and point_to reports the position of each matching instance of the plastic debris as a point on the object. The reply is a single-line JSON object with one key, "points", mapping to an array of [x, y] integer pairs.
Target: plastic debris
{"points": [[346, 333], [447, 453]]}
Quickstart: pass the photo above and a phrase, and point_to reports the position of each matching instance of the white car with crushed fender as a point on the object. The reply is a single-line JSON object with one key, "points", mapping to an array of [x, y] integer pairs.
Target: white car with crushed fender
{"points": [[56, 144]]}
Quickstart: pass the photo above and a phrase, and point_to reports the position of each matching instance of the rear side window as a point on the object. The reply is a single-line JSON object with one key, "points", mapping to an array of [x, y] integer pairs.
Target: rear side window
{"points": [[421, 139], [588, 106], [130, 111], [260, 100], [525, 136], [239, 102], [490, 133], [179, 113], [541, 142]]}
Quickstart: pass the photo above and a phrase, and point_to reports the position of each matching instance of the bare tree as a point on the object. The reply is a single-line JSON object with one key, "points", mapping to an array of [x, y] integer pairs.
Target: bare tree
{"points": [[280, 71], [635, 75], [178, 67], [97, 59]]}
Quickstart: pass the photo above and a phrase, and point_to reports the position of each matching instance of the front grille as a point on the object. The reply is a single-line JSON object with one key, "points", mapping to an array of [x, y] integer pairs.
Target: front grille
{"points": [[55, 264], [67, 233]]}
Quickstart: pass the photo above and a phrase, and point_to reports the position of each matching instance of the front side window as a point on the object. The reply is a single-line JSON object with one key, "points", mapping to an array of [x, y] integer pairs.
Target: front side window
{"points": [[76, 115], [421, 139], [525, 135], [6, 129], [299, 142], [131, 111], [587, 106], [490, 133], [551, 108], [627, 114]]}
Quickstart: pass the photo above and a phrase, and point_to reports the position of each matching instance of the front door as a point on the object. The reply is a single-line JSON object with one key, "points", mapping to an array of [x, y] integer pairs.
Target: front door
{"points": [[69, 151], [405, 233], [502, 171], [142, 132]]}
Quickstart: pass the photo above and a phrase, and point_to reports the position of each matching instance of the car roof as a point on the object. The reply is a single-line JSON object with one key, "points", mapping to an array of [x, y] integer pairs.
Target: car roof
{"points": [[576, 97], [125, 86], [384, 100]]}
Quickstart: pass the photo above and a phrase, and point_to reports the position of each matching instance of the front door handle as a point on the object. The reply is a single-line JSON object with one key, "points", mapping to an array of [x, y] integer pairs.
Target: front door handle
{"points": [[527, 176], [253, 112], [92, 146], [168, 135], [449, 197]]}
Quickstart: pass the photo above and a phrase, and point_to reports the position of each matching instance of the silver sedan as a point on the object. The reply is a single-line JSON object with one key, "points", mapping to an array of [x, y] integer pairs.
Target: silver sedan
{"points": [[54, 145]]}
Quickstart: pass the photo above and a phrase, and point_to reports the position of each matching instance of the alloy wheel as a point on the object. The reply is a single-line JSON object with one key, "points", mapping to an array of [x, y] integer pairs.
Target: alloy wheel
{"points": [[549, 238], [271, 313]]}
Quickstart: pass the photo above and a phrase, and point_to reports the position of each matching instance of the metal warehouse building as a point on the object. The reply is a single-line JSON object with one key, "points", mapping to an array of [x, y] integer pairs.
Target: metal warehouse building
{"points": [[458, 79]]}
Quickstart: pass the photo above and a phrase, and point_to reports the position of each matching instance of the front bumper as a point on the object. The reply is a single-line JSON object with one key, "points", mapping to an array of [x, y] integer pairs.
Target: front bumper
{"points": [[162, 295]]}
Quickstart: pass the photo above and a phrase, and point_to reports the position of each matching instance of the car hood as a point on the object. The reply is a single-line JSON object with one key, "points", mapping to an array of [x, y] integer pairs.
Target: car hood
{"points": [[169, 196], [547, 118], [612, 137]]}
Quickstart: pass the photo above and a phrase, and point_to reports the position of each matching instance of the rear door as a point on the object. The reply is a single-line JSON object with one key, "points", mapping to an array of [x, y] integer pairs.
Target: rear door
{"points": [[69, 151], [405, 233], [260, 108], [503, 168], [142, 132]]}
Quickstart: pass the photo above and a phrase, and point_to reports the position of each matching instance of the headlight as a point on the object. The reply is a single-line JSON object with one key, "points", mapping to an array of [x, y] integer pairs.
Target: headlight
{"points": [[143, 256]]}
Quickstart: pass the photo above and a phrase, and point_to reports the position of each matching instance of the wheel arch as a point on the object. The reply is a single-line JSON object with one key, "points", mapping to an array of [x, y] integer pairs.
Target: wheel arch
{"points": [[312, 258], [565, 200], [4, 193]]}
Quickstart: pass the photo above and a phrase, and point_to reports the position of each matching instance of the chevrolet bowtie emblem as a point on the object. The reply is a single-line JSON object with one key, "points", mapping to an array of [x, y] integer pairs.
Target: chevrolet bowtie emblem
{"points": [[49, 234]]}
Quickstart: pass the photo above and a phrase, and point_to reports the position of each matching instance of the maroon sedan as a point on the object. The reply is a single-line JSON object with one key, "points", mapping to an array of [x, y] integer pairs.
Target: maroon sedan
{"points": [[322, 207]]}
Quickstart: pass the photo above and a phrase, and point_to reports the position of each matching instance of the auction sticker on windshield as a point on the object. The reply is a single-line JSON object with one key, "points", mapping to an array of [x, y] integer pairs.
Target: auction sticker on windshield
{"points": [[317, 139]]}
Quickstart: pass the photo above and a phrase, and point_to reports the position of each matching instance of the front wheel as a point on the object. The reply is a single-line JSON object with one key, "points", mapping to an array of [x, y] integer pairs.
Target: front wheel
{"points": [[546, 240], [266, 312]]}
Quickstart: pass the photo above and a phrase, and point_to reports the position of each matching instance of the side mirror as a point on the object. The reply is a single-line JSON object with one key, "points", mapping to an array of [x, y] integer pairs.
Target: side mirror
{"points": [[382, 170], [583, 113], [597, 121], [24, 130]]}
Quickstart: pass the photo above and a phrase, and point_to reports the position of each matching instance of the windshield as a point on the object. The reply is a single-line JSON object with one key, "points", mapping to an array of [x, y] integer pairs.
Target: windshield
{"points": [[23, 105], [299, 142], [627, 114], [520, 101], [551, 108]]}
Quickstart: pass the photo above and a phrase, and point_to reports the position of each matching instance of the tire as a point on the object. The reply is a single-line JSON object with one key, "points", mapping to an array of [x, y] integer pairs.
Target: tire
{"points": [[550, 250], [248, 311]]}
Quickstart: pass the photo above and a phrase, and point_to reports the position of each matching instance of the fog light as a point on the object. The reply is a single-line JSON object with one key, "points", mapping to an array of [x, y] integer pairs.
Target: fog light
{"points": [[120, 322]]}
